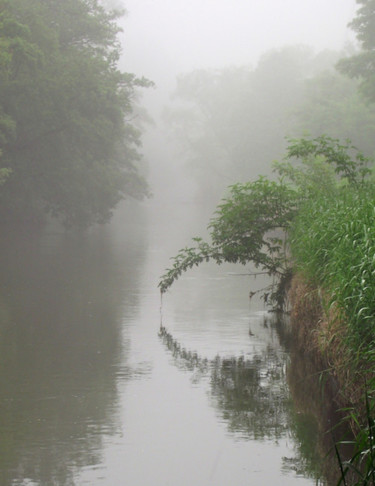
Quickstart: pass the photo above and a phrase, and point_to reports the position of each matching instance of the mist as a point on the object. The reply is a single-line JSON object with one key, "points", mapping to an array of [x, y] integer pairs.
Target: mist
{"points": [[108, 375], [164, 40], [164, 37]]}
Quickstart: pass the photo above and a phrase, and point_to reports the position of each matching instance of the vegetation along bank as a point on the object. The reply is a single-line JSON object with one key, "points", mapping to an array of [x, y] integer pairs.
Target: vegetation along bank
{"points": [[311, 227]]}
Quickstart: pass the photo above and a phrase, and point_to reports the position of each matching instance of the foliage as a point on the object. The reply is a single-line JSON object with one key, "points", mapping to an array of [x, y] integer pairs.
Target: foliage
{"points": [[332, 243], [11, 41], [252, 223], [65, 112], [242, 230], [4, 174], [243, 223], [332, 104], [347, 161], [362, 65], [361, 466], [228, 124]]}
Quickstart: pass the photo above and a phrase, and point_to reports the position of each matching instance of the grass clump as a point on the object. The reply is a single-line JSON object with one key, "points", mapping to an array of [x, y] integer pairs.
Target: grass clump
{"points": [[359, 470], [333, 245]]}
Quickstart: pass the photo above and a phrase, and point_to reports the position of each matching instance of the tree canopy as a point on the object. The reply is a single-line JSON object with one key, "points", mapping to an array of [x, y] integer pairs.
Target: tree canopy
{"points": [[68, 144]]}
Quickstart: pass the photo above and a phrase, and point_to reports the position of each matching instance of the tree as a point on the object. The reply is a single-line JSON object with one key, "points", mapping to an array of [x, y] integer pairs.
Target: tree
{"points": [[73, 150], [11, 39], [362, 65], [229, 123], [332, 104]]}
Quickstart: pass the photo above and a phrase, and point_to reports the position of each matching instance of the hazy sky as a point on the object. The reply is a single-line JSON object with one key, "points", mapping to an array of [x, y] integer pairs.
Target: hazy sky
{"points": [[165, 37]]}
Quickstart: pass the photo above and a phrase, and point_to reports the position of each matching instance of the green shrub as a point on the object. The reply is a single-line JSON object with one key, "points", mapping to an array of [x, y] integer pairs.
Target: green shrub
{"points": [[252, 223]]}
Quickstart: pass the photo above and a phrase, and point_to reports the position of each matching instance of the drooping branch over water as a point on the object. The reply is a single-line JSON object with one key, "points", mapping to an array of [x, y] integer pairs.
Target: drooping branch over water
{"points": [[252, 224]]}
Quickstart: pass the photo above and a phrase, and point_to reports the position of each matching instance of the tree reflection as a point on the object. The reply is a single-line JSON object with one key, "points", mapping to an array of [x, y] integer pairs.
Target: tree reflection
{"points": [[62, 301], [251, 393], [254, 398]]}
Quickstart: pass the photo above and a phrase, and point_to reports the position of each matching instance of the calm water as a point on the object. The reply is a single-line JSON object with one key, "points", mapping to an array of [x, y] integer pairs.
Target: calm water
{"points": [[92, 394]]}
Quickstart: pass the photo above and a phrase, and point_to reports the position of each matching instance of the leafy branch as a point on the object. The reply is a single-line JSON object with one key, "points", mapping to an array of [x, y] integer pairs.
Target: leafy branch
{"points": [[252, 223], [187, 258], [348, 162], [249, 226]]}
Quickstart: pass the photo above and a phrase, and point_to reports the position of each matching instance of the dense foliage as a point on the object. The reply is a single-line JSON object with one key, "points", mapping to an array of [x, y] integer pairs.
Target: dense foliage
{"points": [[252, 223], [332, 104], [66, 139], [229, 123]]}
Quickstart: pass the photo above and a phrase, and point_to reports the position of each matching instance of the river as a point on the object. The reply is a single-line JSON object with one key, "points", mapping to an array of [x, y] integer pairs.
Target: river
{"points": [[92, 393]]}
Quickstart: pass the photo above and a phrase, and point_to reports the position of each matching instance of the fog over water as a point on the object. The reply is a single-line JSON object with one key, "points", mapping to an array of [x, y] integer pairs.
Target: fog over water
{"points": [[102, 381]]}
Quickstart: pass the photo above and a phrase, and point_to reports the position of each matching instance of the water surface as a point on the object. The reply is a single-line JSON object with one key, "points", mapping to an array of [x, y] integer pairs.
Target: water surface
{"points": [[91, 393]]}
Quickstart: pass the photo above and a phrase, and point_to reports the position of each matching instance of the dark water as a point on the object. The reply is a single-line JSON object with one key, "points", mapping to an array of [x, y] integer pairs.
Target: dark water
{"points": [[92, 394]]}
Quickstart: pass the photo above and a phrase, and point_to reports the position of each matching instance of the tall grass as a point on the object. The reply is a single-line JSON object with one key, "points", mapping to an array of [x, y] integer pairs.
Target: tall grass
{"points": [[359, 470], [333, 244]]}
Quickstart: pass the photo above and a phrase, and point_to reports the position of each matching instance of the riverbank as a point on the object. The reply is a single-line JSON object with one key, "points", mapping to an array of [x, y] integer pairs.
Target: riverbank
{"points": [[317, 331]]}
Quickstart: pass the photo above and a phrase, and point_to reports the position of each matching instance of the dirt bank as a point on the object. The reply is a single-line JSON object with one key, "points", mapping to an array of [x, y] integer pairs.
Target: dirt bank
{"points": [[318, 332]]}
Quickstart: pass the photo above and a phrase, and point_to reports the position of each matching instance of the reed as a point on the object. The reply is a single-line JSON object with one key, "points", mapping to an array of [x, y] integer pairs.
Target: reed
{"points": [[333, 245], [359, 470]]}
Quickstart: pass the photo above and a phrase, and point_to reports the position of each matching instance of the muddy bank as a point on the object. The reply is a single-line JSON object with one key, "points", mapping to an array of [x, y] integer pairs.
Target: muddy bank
{"points": [[319, 335], [320, 381]]}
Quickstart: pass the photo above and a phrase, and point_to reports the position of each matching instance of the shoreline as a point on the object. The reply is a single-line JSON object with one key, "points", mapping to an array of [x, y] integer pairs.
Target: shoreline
{"points": [[318, 333]]}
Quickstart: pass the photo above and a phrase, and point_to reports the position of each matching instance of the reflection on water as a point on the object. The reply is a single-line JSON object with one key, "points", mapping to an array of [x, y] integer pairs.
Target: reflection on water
{"points": [[91, 395], [313, 392], [251, 393], [62, 300], [254, 401]]}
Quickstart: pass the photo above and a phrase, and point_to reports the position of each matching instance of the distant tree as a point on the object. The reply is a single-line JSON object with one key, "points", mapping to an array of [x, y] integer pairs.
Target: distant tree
{"points": [[11, 39], [66, 132], [362, 65], [229, 123], [332, 104]]}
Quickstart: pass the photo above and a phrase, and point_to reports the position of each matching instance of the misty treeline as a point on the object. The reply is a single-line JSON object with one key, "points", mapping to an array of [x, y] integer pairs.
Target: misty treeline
{"points": [[68, 141], [228, 125], [313, 217], [233, 123]]}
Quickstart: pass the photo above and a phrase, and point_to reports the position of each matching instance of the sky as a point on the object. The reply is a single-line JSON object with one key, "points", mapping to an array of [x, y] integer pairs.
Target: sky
{"points": [[165, 37]]}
